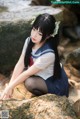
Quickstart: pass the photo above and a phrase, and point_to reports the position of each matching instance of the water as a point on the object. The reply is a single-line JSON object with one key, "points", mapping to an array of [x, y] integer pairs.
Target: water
{"points": [[20, 9], [15, 5]]}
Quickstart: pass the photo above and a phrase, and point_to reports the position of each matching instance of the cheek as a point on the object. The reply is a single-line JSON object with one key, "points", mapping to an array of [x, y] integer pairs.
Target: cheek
{"points": [[39, 38]]}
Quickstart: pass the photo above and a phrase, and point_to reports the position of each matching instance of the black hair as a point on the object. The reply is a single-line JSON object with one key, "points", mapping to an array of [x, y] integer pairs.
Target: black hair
{"points": [[46, 24]]}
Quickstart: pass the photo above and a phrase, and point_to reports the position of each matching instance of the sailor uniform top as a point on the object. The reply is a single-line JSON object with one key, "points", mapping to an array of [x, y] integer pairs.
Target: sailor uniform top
{"points": [[43, 58]]}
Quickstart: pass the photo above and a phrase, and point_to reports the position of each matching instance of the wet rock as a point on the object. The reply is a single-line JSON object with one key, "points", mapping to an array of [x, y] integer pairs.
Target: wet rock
{"points": [[74, 94], [74, 82], [69, 17], [40, 2], [44, 107], [20, 92], [70, 70], [3, 9], [74, 59], [70, 21], [14, 5], [76, 107], [15, 27], [75, 9], [73, 33], [3, 81]]}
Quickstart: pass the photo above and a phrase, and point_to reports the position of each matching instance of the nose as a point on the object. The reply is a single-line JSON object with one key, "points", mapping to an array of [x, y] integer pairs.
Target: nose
{"points": [[35, 34]]}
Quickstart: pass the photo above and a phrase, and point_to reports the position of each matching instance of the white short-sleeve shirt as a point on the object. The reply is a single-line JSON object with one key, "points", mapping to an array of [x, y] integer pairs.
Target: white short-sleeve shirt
{"points": [[43, 58]]}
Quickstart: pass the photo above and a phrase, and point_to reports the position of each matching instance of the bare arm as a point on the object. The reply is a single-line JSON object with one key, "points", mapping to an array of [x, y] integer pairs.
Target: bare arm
{"points": [[23, 76], [20, 64], [40, 64], [18, 69]]}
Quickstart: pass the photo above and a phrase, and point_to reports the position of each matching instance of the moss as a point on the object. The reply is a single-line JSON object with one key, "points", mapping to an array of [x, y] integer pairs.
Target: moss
{"points": [[12, 37], [3, 9]]}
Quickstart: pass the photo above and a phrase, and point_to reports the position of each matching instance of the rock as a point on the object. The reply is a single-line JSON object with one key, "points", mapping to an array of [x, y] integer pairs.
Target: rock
{"points": [[3, 9], [20, 92], [43, 107], [69, 22], [40, 2], [73, 33], [1, 77], [74, 95], [72, 71], [69, 25], [76, 107], [74, 82], [3, 81], [69, 17], [15, 27], [74, 59], [75, 9], [67, 70]]}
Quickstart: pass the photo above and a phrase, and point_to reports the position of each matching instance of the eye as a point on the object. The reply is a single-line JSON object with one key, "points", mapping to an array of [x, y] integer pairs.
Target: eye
{"points": [[33, 29], [40, 33]]}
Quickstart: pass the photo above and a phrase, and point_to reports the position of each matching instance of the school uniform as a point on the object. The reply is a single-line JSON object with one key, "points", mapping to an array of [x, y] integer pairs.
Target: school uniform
{"points": [[44, 58]]}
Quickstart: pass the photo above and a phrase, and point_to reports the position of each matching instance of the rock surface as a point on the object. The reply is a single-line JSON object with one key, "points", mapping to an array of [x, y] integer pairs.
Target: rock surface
{"points": [[40, 2], [20, 95], [74, 58], [44, 107], [76, 106]]}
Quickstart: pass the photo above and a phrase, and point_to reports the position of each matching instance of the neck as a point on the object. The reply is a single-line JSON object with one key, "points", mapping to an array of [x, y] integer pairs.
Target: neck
{"points": [[38, 45]]}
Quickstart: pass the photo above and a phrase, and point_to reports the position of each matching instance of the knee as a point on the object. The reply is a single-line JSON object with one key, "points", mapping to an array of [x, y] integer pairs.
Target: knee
{"points": [[30, 83]]}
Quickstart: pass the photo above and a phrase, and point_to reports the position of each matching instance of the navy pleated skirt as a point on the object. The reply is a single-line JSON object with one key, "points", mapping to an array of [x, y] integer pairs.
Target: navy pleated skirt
{"points": [[58, 86]]}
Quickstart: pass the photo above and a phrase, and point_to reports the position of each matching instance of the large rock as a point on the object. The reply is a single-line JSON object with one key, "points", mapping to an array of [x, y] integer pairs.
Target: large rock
{"points": [[70, 26], [76, 106], [15, 26], [44, 107], [75, 9], [3, 9], [74, 58], [69, 17], [40, 2]]}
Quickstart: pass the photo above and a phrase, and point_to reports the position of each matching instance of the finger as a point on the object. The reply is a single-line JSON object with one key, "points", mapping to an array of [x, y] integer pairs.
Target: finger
{"points": [[5, 97]]}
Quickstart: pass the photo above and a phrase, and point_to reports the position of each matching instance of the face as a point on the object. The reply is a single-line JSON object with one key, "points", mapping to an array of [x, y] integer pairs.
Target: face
{"points": [[36, 36]]}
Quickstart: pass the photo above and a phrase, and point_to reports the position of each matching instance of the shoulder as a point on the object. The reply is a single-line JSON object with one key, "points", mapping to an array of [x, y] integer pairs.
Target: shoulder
{"points": [[46, 49]]}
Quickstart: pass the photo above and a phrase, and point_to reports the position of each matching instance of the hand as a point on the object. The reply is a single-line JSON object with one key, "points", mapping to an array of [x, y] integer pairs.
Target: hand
{"points": [[7, 93]]}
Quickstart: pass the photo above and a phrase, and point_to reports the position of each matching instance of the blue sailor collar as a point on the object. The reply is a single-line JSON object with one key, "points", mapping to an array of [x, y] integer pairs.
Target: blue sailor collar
{"points": [[42, 50]]}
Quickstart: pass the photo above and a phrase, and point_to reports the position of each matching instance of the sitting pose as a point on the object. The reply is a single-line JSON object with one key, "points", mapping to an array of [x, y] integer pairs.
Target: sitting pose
{"points": [[39, 66]]}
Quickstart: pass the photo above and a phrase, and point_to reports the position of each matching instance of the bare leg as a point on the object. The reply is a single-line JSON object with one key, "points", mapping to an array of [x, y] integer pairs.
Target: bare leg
{"points": [[36, 85]]}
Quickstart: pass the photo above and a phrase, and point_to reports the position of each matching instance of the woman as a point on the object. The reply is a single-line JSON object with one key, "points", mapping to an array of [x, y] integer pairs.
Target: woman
{"points": [[39, 66]]}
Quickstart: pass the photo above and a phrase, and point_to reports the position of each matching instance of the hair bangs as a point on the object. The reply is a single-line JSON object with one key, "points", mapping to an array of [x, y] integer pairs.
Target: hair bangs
{"points": [[44, 28]]}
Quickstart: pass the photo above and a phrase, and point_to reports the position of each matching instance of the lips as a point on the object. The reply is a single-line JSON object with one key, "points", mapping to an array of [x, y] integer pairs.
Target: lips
{"points": [[33, 39]]}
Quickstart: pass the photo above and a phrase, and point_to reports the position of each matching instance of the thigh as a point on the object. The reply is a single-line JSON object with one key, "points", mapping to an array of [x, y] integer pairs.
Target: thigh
{"points": [[36, 82]]}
